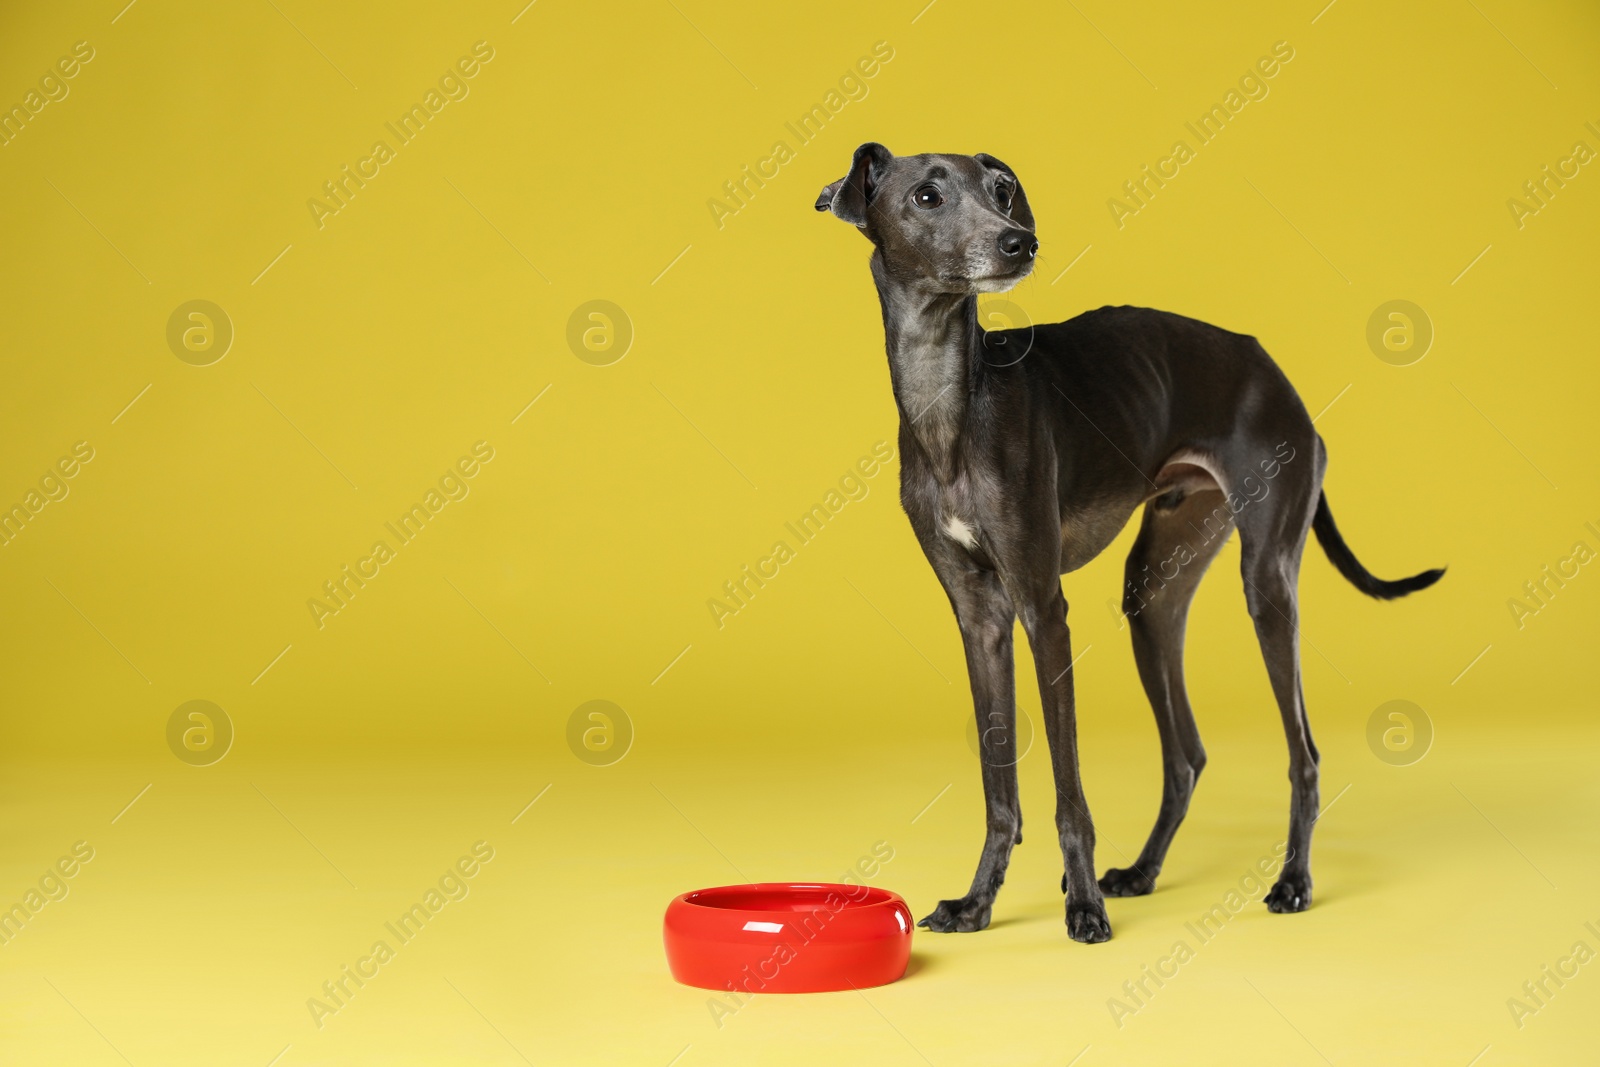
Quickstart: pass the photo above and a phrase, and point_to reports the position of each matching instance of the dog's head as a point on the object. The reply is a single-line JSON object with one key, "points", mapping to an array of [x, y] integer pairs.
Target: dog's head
{"points": [[953, 224]]}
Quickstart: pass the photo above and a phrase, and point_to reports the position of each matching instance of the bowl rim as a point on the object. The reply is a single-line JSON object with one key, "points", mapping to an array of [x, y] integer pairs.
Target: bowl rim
{"points": [[871, 896]]}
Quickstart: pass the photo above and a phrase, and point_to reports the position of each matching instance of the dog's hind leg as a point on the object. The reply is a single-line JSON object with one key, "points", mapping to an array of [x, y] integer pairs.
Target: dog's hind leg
{"points": [[1272, 537], [986, 617], [1177, 541]]}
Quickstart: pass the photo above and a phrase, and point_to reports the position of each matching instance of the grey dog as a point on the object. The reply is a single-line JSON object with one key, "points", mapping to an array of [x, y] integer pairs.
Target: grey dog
{"points": [[1024, 452]]}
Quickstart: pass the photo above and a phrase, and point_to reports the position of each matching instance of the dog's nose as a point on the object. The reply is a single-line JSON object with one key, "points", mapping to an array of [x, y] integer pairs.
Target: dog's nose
{"points": [[1015, 243]]}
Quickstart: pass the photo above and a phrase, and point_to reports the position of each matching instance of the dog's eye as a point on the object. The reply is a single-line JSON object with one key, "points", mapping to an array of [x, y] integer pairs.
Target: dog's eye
{"points": [[928, 196], [1004, 192]]}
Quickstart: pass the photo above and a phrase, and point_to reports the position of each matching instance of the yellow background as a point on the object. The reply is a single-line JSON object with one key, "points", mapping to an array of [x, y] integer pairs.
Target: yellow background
{"points": [[830, 712]]}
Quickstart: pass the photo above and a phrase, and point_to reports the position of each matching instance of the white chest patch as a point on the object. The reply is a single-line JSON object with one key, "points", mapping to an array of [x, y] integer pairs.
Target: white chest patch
{"points": [[960, 532]]}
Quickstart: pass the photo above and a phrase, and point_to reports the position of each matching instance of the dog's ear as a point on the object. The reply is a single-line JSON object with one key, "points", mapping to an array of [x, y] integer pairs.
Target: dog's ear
{"points": [[849, 196], [829, 191], [1021, 213]]}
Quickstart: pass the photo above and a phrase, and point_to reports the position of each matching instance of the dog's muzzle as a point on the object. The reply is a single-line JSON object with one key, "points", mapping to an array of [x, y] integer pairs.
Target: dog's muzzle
{"points": [[1017, 244]]}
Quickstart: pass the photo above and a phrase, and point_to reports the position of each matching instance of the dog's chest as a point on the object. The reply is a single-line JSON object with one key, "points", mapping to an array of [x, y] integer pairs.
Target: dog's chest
{"points": [[961, 519], [959, 530]]}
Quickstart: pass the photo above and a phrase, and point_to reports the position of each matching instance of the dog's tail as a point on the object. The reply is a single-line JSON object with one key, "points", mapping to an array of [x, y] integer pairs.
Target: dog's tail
{"points": [[1345, 560]]}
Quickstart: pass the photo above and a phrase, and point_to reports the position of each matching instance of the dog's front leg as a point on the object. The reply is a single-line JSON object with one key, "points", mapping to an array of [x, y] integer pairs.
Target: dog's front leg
{"points": [[986, 618], [1043, 611]]}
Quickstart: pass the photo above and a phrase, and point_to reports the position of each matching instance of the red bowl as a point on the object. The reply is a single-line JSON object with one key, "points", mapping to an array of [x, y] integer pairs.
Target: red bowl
{"points": [[780, 937]]}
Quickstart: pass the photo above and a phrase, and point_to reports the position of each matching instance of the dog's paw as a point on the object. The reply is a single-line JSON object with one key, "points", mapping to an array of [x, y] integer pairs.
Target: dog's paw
{"points": [[962, 916], [1292, 893], [1126, 882], [1088, 923]]}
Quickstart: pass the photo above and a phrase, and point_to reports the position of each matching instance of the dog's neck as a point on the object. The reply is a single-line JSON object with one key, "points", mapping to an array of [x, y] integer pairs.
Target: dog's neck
{"points": [[932, 339]]}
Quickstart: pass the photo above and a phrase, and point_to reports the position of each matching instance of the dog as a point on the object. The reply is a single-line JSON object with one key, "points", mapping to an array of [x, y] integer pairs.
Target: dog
{"points": [[1024, 452]]}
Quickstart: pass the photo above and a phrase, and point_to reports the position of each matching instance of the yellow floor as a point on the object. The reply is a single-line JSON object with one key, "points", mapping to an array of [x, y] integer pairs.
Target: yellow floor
{"points": [[216, 906]]}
